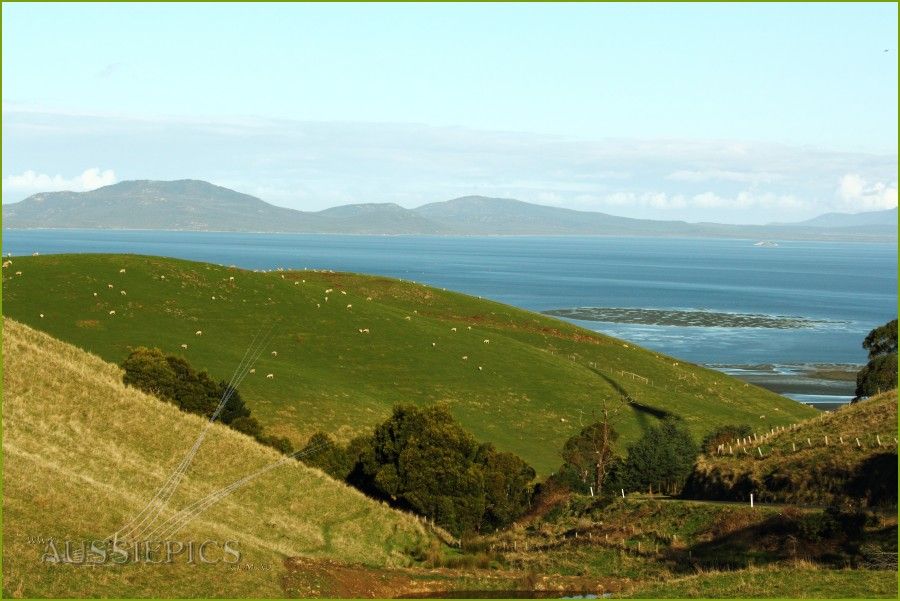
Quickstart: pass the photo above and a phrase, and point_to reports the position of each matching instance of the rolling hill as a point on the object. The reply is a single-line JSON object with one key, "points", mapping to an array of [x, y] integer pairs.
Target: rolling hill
{"points": [[521, 380], [201, 206], [851, 452], [82, 453]]}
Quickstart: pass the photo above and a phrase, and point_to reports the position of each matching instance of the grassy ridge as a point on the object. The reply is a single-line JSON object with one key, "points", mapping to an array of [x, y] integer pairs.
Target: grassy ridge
{"points": [[83, 453], [539, 378], [810, 463]]}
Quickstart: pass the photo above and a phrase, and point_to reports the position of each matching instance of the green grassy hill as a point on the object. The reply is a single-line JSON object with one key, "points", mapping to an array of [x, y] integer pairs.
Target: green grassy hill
{"points": [[850, 453], [83, 453], [527, 389]]}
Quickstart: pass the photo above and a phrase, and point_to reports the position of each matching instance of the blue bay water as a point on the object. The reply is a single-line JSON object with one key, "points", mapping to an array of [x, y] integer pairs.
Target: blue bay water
{"points": [[852, 286]]}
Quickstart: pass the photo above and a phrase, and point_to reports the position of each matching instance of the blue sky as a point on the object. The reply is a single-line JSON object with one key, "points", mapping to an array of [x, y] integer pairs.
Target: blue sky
{"points": [[677, 111]]}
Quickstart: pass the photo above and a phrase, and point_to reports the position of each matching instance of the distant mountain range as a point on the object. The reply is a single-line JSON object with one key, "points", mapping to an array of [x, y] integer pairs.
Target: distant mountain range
{"points": [[197, 205]]}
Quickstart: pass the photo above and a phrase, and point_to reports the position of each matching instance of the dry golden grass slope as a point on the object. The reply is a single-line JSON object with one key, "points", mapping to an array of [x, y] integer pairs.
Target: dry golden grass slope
{"points": [[82, 453], [812, 461]]}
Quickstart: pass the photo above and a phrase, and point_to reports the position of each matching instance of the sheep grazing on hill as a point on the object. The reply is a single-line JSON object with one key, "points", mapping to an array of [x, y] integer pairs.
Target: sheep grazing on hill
{"points": [[479, 368], [274, 353], [487, 340], [363, 330], [231, 278], [344, 292], [6, 264], [318, 305], [95, 294], [34, 254], [112, 312], [326, 299], [452, 329], [184, 346], [465, 357], [122, 270], [109, 285], [468, 327], [199, 332], [349, 306], [162, 277], [296, 283], [253, 370], [434, 344], [42, 316], [213, 298], [18, 273], [368, 298], [328, 290], [408, 318], [270, 376], [123, 293]]}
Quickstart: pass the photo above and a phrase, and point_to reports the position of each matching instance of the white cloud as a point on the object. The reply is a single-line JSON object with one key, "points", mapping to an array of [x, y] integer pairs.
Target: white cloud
{"points": [[856, 194], [31, 182], [706, 175], [705, 200]]}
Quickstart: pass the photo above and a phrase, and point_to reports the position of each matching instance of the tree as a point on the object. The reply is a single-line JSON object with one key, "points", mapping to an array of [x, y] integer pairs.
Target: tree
{"points": [[664, 456], [507, 486], [880, 373], [424, 461], [327, 455], [590, 453], [882, 340]]}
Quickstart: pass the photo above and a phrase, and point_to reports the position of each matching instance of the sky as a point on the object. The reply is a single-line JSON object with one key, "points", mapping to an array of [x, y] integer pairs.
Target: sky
{"points": [[708, 112]]}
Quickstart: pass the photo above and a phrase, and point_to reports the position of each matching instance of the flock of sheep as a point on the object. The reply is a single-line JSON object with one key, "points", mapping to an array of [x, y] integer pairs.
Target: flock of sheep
{"points": [[274, 354]]}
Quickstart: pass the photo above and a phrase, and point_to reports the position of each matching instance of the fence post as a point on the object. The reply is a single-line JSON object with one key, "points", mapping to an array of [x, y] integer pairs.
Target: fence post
{"points": [[751, 499]]}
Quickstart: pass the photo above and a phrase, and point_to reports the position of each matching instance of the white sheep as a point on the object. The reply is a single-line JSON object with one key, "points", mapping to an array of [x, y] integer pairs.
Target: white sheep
{"points": [[122, 270], [479, 368], [296, 283], [274, 353], [95, 294], [452, 329], [465, 357], [42, 316], [184, 346], [318, 305], [199, 332], [270, 376], [304, 281], [408, 318], [123, 293], [368, 298], [253, 370], [18, 273], [326, 299], [109, 285], [6, 264], [344, 292], [468, 327], [231, 278], [349, 306], [162, 277], [487, 340], [433, 344], [328, 290], [213, 298], [112, 312]]}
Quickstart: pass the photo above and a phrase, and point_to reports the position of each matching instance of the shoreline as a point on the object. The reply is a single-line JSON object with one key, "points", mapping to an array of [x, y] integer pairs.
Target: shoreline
{"points": [[825, 386]]}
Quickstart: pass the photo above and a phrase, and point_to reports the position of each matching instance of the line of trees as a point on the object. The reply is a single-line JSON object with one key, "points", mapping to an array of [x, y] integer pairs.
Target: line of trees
{"points": [[422, 460], [172, 379], [661, 459]]}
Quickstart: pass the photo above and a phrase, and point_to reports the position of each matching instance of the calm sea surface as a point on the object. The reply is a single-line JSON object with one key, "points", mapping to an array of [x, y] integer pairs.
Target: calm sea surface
{"points": [[848, 287]]}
